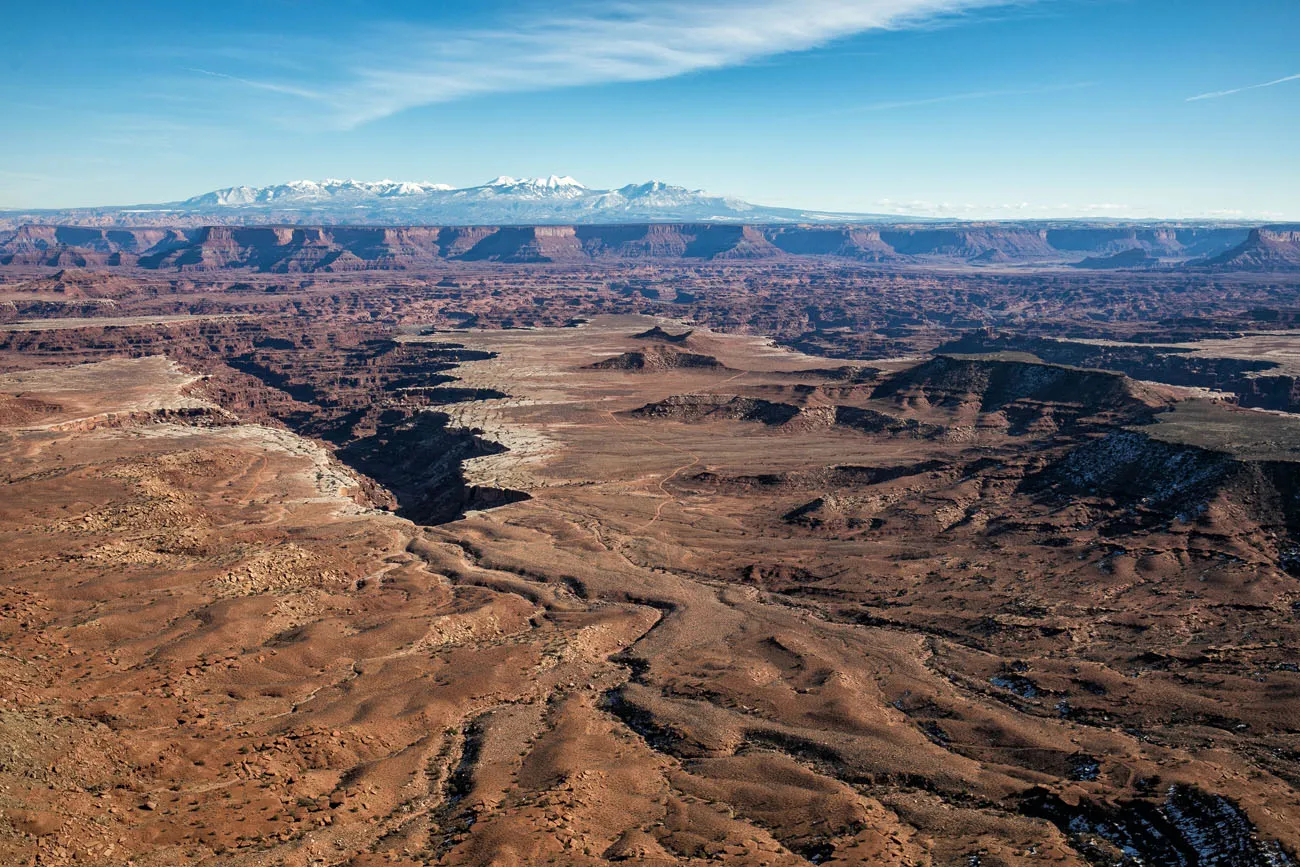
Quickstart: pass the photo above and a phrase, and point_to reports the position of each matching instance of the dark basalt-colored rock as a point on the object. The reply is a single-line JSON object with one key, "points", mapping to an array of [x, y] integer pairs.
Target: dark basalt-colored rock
{"points": [[1189, 828]]}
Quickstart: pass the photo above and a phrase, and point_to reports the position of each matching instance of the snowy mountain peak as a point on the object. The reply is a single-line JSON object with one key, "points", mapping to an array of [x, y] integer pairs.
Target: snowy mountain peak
{"points": [[554, 182], [658, 187], [409, 188]]}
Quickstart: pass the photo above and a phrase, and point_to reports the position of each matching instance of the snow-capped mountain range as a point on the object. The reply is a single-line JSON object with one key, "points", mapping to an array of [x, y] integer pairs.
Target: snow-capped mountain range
{"points": [[503, 201], [554, 199]]}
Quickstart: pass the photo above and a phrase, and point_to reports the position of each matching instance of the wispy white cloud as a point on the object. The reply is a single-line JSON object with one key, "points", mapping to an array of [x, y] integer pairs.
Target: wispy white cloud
{"points": [[1005, 210], [1218, 93], [25, 176], [271, 86], [1059, 211], [890, 105], [396, 67]]}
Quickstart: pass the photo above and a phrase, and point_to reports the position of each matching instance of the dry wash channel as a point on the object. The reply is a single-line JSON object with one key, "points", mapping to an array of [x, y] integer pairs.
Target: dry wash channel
{"points": [[755, 609]]}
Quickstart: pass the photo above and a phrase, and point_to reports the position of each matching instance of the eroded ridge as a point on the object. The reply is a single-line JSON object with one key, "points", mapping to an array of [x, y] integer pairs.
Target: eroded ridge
{"points": [[765, 610]]}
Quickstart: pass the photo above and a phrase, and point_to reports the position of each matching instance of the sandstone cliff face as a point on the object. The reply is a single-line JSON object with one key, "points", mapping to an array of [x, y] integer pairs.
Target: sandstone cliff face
{"points": [[860, 243], [1275, 248], [661, 241], [302, 249], [968, 244], [1171, 241], [527, 244]]}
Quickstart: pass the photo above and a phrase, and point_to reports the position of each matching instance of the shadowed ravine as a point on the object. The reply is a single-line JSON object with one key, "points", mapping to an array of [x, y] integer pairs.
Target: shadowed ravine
{"points": [[762, 610]]}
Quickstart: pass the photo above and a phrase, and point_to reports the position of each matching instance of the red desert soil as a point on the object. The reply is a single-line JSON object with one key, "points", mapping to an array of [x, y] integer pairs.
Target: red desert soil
{"points": [[754, 611]]}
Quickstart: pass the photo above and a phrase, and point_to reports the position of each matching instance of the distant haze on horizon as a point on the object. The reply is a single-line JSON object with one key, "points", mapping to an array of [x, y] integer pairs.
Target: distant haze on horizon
{"points": [[963, 109]]}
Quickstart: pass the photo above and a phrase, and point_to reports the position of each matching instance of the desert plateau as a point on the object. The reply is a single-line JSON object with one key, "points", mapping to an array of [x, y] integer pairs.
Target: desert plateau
{"points": [[760, 562]]}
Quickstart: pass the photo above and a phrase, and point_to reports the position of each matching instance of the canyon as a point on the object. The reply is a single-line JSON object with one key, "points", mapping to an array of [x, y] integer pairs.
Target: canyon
{"points": [[593, 557]]}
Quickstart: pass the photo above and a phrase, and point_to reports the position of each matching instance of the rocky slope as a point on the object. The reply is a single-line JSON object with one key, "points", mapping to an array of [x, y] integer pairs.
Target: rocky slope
{"points": [[1027, 394], [659, 358], [1134, 258], [1257, 382]]}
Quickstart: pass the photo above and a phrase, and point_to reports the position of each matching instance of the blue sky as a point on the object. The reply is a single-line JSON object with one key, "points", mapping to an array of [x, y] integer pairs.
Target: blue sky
{"points": [[962, 108]]}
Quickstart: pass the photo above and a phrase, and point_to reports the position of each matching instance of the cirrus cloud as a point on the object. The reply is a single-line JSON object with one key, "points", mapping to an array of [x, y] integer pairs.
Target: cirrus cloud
{"points": [[1216, 94], [394, 67]]}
